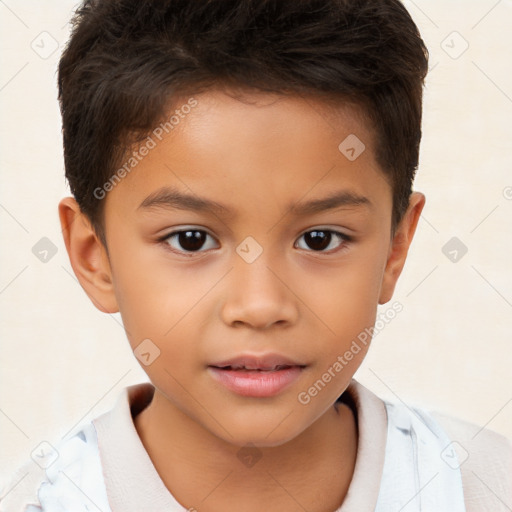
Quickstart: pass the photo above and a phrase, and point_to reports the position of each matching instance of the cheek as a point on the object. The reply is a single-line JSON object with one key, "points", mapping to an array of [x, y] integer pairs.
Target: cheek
{"points": [[344, 301], [147, 295], [344, 297], [160, 301]]}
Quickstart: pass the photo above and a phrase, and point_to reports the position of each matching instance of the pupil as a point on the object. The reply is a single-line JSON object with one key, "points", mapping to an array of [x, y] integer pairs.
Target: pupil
{"points": [[318, 240], [191, 240]]}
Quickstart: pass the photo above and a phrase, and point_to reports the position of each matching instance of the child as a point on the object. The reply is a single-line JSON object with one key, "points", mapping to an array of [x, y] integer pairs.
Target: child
{"points": [[242, 176]]}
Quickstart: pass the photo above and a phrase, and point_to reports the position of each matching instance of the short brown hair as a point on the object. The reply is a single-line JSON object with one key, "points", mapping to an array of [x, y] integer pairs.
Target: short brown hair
{"points": [[126, 60]]}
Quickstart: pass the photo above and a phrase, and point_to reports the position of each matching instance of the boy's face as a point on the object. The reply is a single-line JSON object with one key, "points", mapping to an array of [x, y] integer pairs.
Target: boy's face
{"points": [[256, 283]]}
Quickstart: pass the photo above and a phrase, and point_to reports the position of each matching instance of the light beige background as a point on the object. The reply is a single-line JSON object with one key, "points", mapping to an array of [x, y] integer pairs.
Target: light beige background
{"points": [[63, 362]]}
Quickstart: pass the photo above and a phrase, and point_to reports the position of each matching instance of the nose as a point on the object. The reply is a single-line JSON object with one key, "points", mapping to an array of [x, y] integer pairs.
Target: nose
{"points": [[258, 296]]}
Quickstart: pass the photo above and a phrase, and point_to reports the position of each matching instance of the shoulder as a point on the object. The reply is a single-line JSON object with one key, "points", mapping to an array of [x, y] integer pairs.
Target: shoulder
{"points": [[481, 458], [65, 477], [485, 460]]}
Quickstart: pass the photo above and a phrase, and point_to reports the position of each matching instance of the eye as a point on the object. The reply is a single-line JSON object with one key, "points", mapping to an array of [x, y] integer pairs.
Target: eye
{"points": [[196, 240], [187, 240], [324, 240]]}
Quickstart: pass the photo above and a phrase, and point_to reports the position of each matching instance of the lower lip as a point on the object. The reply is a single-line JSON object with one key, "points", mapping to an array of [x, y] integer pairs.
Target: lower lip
{"points": [[256, 383]]}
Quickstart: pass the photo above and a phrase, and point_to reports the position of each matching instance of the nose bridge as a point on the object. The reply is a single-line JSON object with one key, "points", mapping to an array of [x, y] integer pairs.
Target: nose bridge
{"points": [[257, 295]]}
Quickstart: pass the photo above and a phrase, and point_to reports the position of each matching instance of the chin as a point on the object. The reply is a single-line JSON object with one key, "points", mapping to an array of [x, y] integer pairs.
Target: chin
{"points": [[262, 434]]}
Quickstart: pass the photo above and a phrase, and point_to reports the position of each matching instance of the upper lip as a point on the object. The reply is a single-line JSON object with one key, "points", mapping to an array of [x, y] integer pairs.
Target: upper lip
{"points": [[257, 362]]}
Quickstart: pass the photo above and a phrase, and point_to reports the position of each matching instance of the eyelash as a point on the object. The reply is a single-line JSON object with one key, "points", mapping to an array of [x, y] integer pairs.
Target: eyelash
{"points": [[342, 237]]}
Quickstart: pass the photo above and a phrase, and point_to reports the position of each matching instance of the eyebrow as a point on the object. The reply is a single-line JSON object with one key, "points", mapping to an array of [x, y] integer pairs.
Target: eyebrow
{"points": [[168, 197]]}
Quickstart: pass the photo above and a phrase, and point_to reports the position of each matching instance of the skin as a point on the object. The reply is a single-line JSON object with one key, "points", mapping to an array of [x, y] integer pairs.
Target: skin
{"points": [[255, 157]]}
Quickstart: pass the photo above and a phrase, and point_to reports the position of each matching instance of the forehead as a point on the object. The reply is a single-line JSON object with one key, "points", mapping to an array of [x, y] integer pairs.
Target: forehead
{"points": [[252, 114], [247, 149]]}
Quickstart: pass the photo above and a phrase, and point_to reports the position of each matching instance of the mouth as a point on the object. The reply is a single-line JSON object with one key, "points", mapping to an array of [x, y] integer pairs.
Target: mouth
{"points": [[237, 368], [256, 376], [262, 362]]}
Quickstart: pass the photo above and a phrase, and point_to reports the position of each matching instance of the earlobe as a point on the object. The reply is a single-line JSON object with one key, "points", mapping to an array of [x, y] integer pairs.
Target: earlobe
{"points": [[400, 246], [88, 256]]}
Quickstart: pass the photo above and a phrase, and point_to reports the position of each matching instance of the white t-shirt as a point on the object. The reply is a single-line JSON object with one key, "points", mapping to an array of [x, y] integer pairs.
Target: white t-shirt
{"points": [[407, 461]]}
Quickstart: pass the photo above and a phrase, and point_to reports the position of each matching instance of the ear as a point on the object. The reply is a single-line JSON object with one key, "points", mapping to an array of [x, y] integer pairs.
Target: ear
{"points": [[88, 256], [400, 246]]}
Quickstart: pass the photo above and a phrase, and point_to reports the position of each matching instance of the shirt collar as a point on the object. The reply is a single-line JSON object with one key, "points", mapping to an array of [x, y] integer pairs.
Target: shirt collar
{"points": [[133, 484]]}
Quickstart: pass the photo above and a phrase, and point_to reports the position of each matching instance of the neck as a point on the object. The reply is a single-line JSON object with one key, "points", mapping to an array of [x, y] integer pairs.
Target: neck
{"points": [[203, 472]]}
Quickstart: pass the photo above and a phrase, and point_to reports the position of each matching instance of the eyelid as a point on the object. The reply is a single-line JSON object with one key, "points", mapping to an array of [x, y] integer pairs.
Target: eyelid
{"points": [[346, 239], [320, 227], [176, 231], [344, 233], [185, 227]]}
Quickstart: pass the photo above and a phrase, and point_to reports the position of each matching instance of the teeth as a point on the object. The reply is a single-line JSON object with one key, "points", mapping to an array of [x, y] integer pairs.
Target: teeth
{"points": [[245, 368]]}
